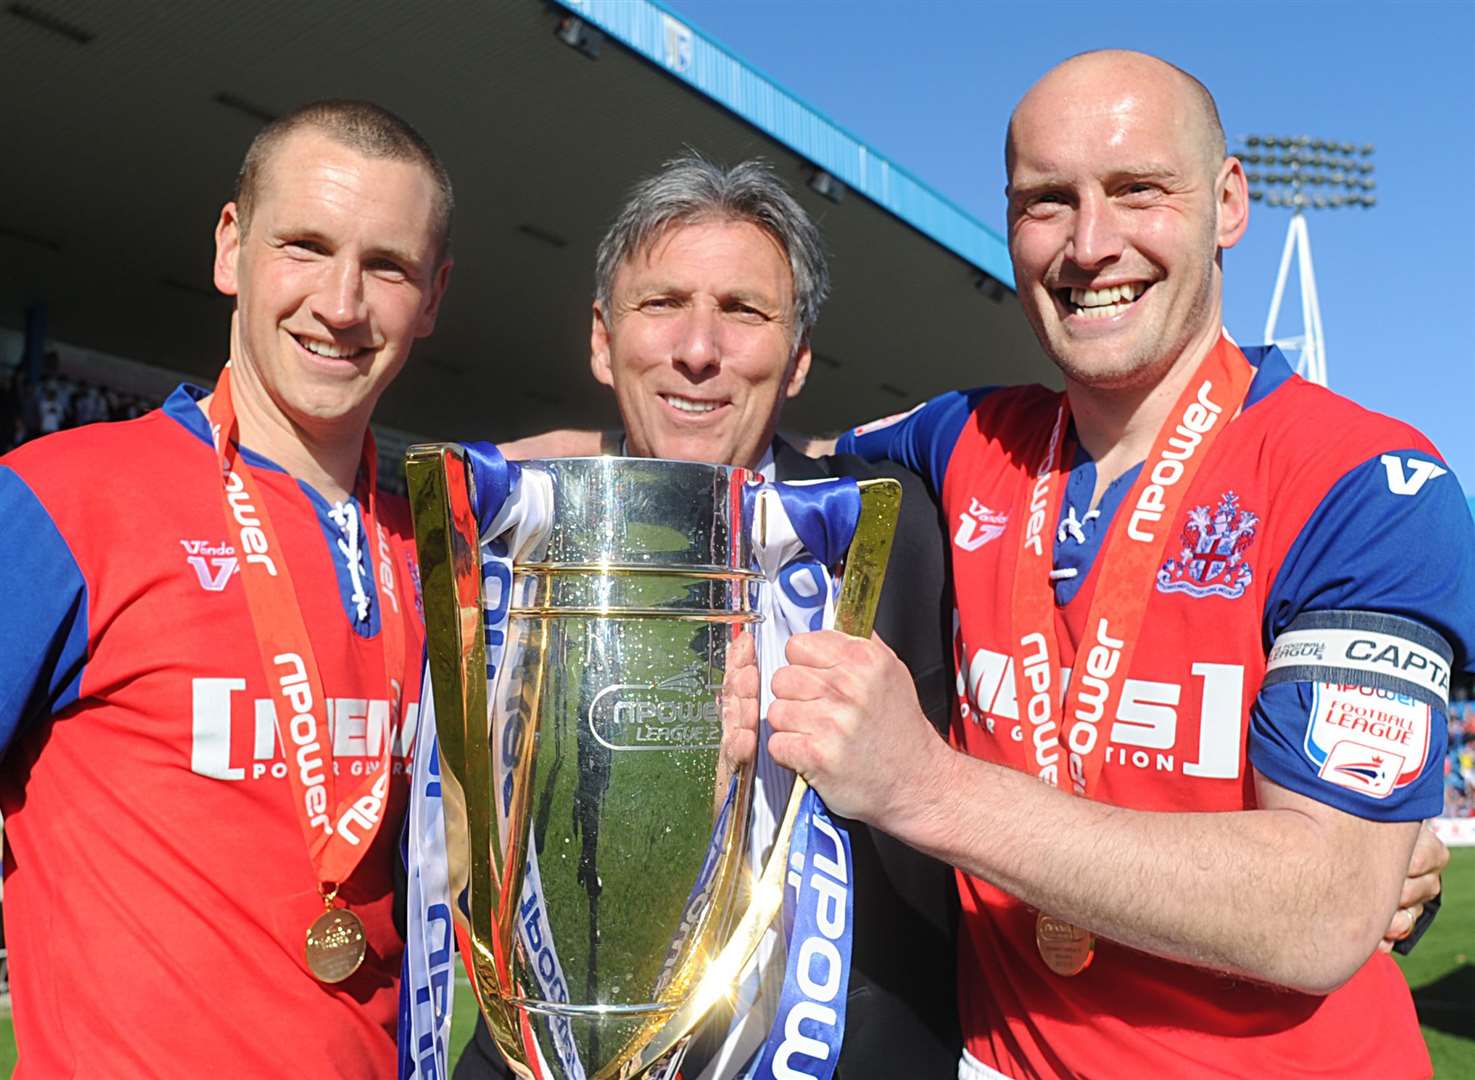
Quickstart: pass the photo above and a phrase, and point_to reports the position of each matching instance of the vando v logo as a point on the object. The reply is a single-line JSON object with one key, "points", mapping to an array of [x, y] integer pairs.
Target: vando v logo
{"points": [[213, 563], [978, 526], [1408, 481]]}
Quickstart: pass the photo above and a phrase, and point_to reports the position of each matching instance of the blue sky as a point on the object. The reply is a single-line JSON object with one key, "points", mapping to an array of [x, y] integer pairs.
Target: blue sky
{"points": [[930, 84]]}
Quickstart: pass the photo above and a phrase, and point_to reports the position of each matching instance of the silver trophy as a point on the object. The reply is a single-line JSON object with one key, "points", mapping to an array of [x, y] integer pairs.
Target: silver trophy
{"points": [[589, 819]]}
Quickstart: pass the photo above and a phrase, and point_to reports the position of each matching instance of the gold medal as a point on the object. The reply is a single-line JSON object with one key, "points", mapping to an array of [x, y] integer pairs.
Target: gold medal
{"points": [[1067, 949], [335, 945]]}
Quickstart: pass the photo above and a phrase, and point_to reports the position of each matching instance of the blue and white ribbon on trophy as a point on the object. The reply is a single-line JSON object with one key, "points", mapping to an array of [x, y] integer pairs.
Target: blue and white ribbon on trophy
{"points": [[514, 510], [427, 977], [792, 1027]]}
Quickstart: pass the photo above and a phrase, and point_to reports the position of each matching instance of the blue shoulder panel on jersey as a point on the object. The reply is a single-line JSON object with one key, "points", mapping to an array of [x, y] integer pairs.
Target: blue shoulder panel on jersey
{"points": [[43, 622], [1271, 369], [182, 407], [922, 440], [1394, 537]]}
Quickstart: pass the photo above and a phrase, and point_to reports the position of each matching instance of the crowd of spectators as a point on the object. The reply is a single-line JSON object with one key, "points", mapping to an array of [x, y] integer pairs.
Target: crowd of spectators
{"points": [[30, 408], [1459, 760]]}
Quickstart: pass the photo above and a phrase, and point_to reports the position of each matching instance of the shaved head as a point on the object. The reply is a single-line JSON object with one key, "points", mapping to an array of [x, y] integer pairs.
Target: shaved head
{"points": [[1094, 77], [1121, 198]]}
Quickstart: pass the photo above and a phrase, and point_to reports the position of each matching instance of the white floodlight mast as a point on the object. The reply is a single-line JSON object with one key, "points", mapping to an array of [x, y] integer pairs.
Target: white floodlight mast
{"points": [[1311, 361], [1312, 162]]}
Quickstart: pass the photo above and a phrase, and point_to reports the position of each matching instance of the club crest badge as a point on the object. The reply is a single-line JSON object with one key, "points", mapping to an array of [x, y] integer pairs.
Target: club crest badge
{"points": [[1211, 561]]}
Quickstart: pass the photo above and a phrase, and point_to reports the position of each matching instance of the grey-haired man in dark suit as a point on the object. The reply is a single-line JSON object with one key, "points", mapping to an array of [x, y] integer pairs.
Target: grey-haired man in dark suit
{"points": [[708, 284]]}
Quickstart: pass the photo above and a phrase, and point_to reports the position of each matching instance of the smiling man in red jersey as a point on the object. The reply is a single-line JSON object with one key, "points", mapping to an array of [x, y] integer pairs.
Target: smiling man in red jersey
{"points": [[1202, 682], [211, 654]]}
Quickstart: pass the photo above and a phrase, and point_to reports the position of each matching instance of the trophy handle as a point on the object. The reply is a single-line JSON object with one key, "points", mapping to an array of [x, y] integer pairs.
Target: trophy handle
{"points": [[855, 614], [449, 551]]}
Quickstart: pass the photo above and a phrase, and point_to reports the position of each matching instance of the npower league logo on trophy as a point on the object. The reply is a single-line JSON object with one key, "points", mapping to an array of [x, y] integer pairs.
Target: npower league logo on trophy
{"points": [[682, 711]]}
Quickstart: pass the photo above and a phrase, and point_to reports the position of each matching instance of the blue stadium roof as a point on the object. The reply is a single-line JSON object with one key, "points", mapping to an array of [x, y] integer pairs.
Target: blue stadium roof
{"points": [[543, 144], [654, 33]]}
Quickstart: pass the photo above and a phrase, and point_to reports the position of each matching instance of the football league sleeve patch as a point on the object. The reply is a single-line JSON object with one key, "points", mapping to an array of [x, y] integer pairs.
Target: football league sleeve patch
{"points": [[1352, 713], [43, 622]]}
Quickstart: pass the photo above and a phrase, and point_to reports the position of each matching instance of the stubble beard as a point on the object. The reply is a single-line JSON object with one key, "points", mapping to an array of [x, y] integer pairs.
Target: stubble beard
{"points": [[1145, 361]]}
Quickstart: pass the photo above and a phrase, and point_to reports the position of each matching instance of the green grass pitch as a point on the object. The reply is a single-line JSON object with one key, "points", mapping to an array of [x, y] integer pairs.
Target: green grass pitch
{"points": [[1441, 972]]}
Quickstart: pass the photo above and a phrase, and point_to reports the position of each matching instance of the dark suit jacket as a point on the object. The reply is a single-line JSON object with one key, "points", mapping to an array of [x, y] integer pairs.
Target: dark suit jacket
{"points": [[901, 1015]]}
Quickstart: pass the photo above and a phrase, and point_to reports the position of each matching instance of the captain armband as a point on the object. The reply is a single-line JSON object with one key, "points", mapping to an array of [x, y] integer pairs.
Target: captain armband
{"points": [[1366, 649]]}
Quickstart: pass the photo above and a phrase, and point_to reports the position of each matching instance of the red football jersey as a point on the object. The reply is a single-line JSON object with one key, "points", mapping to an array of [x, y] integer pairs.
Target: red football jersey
{"points": [[1280, 523], [1178, 742], [157, 883]]}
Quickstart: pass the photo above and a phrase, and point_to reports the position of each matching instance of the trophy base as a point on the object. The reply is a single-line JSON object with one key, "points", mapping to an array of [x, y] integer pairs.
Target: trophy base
{"points": [[608, 1037]]}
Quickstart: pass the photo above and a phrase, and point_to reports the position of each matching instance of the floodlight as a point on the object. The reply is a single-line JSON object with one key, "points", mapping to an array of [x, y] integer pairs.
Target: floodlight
{"points": [[1317, 174], [825, 185], [990, 286], [578, 35]]}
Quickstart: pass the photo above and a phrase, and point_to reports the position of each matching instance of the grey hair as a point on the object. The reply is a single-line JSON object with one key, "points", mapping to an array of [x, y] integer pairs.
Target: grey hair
{"points": [[689, 190]]}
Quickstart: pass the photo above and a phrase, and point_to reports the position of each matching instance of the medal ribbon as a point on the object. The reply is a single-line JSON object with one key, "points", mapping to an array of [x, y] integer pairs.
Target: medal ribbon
{"points": [[427, 988], [514, 511], [337, 833], [1130, 555]]}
